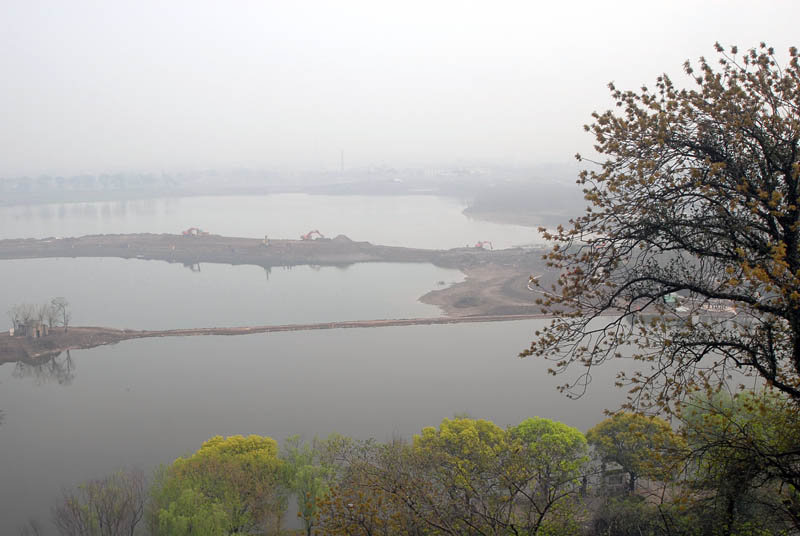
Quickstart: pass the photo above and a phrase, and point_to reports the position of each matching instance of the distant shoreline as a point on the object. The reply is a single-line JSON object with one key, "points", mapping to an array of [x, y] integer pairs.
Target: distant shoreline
{"points": [[496, 282], [494, 290]]}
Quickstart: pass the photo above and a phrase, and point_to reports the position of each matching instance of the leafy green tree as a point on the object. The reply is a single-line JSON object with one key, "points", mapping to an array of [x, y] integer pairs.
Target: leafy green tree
{"points": [[463, 461], [231, 482], [308, 475], [190, 512], [467, 476], [643, 446], [744, 454], [695, 192], [549, 459]]}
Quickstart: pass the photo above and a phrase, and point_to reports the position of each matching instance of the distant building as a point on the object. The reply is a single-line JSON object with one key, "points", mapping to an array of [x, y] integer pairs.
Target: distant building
{"points": [[33, 330]]}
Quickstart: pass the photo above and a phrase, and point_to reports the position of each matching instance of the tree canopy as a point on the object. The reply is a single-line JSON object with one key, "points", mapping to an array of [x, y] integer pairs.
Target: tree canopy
{"points": [[643, 446], [467, 476], [308, 475], [231, 485], [689, 250], [745, 458]]}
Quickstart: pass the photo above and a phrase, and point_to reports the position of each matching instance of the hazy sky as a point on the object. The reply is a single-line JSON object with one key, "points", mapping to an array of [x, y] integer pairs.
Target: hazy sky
{"points": [[103, 86]]}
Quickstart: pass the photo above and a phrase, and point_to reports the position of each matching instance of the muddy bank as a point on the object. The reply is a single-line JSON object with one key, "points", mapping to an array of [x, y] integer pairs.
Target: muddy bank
{"points": [[29, 349], [489, 289], [495, 287], [267, 253], [495, 283]]}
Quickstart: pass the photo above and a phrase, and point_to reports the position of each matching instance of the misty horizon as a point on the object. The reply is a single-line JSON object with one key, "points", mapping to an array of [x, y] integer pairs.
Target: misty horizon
{"points": [[144, 87]]}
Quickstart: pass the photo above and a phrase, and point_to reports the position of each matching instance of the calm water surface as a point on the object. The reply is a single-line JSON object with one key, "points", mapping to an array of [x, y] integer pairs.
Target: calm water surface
{"points": [[139, 294], [413, 221], [145, 402], [142, 403]]}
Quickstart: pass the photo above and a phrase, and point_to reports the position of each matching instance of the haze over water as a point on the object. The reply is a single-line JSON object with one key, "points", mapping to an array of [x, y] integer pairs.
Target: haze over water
{"points": [[411, 221], [92, 88], [145, 402]]}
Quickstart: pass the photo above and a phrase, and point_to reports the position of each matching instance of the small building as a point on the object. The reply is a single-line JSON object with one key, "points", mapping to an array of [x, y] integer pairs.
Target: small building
{"points": [[34, 330]]}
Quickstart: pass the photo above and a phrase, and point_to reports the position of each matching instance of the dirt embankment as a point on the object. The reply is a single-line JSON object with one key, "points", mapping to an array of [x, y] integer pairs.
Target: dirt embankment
{"points": [[496, 281], [31, 350], [231, 250], [488, 289]]}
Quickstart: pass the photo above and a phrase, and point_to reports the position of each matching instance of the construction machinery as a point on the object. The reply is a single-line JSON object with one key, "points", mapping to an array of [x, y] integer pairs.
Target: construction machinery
{"points": [[194, 231], [310, 235], [482, 244]]}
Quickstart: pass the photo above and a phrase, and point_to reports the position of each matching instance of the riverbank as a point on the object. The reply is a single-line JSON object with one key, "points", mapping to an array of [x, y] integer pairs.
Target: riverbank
{"points": [[495, 287], [78, 338], [265, 252], [495, 283]]}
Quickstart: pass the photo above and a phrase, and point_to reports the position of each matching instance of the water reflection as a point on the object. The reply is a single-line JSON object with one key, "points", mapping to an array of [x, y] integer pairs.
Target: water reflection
{"points": [[145, 402], [58, 368], [142, 294]]}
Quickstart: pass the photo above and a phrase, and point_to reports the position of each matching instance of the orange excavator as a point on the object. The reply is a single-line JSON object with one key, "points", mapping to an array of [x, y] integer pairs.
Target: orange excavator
{"points": [[482, 244], [310, 235], [194, 231]]}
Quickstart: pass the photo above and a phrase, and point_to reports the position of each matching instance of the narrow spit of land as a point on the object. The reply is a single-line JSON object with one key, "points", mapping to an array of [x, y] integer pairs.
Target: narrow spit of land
{"points": [[28, 349], [261, 252], [495, 283], [495, 287]]}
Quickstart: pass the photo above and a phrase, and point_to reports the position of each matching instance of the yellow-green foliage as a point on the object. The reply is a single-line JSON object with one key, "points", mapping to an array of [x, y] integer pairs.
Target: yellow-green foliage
{"points": [[643, 445], [466, 446], [229, 482], [551, 448], [693, 192]]}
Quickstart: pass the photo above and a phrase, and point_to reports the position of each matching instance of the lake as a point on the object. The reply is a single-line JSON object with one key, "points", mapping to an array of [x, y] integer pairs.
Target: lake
{"points": [[145, 402], [140, 294], [412, 221]]}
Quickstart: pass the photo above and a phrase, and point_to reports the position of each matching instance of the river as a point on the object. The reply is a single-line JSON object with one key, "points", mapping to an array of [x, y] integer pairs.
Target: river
{"points": [[139, 294], [412, 221], [145, 402]]}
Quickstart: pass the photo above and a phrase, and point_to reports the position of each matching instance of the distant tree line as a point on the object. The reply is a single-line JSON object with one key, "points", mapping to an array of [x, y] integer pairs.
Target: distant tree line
{"points": [[630, 474]]}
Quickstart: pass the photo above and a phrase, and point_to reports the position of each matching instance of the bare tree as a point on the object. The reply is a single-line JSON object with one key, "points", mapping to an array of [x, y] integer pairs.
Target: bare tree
{"points": [[111, 506], [23, 313], [42, 312], [61, 307], [51, 315]]}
